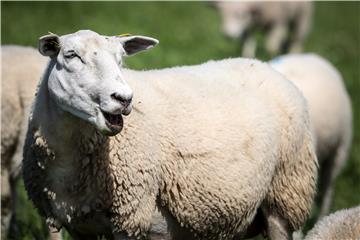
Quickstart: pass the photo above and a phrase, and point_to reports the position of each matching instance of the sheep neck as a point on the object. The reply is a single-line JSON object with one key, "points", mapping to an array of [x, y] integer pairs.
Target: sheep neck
{"points": [[76, 162], [59, 125], [101, 175]]}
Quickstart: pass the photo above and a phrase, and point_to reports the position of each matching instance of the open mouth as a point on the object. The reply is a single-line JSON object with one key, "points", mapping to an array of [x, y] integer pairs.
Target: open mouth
{"points": [[113, 121]]}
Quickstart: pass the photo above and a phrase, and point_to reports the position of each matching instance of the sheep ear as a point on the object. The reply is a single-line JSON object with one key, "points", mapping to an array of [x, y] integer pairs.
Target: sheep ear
{"points": [[49, 45], [135, 44]]}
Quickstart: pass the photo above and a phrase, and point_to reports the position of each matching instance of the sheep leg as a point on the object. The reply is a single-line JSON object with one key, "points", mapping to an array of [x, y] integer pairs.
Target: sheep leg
{"points": [[331, 170], [122, 236], [176, 231], [249, 47], [13, 229], [78, 236], [277, 228], [257, 227], [302, 26], [276, 37], [14, 173], [326, 185], [5, 201], [55, 235], [159, 228]]}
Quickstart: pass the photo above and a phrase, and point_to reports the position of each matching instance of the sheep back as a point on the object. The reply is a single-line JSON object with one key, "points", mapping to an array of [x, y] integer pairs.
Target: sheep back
{"points": [[261, 111], [343, 224]]}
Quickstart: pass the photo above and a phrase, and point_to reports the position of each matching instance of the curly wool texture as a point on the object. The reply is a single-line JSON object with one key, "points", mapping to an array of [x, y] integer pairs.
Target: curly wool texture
{"points": [[343, 224], [121, 187], [208, 153]]}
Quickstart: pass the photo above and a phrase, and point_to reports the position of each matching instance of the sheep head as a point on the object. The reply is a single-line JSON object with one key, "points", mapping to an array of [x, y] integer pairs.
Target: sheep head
{"points": [[85, 75], [236, 17]]}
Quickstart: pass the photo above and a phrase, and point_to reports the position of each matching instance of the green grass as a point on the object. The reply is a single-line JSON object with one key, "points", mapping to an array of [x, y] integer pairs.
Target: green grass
{"points": [[189, 34]]}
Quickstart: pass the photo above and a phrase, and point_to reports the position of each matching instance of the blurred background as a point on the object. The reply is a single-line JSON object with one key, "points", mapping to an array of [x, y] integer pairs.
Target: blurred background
{"points": [[190, 33]]}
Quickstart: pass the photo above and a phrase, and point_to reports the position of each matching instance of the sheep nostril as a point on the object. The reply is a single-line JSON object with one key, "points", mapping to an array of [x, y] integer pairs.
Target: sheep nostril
{"points": [[125, 101]]}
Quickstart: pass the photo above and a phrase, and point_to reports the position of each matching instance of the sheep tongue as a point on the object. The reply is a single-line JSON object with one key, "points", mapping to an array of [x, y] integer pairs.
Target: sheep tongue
{"points": [[116, 119], [113, 121]]}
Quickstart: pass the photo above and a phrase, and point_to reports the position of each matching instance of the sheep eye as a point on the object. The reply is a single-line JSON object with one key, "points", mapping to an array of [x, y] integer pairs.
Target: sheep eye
{"points": [[71, 55]]}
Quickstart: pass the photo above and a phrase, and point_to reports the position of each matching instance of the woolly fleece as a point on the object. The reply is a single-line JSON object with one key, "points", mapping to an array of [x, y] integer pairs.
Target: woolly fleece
{"points": [[206, 144], [343, 224]]}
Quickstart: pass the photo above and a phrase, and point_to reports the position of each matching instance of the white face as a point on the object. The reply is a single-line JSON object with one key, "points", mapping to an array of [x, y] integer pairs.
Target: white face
{"points": [[236, 17], [86, 77]]}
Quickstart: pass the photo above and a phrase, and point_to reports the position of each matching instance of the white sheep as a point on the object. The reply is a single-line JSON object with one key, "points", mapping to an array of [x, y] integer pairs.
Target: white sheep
{"points": [[22, 68], [21, 71], [330, 114], [341, 225], [208, 145], [240, 20]]}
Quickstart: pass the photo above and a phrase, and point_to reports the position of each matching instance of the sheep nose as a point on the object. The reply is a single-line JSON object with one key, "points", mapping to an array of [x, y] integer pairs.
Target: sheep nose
{"points": [[125, 100]]}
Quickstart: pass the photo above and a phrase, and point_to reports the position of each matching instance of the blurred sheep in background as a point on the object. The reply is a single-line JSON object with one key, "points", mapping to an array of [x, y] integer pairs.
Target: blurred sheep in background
{"points": [[330, 115], [343, 224], [22, 68], [286, 24]]}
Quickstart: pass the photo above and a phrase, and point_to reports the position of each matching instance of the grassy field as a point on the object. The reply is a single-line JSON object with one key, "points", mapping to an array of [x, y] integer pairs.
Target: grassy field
{"points": [[189, 34]]}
